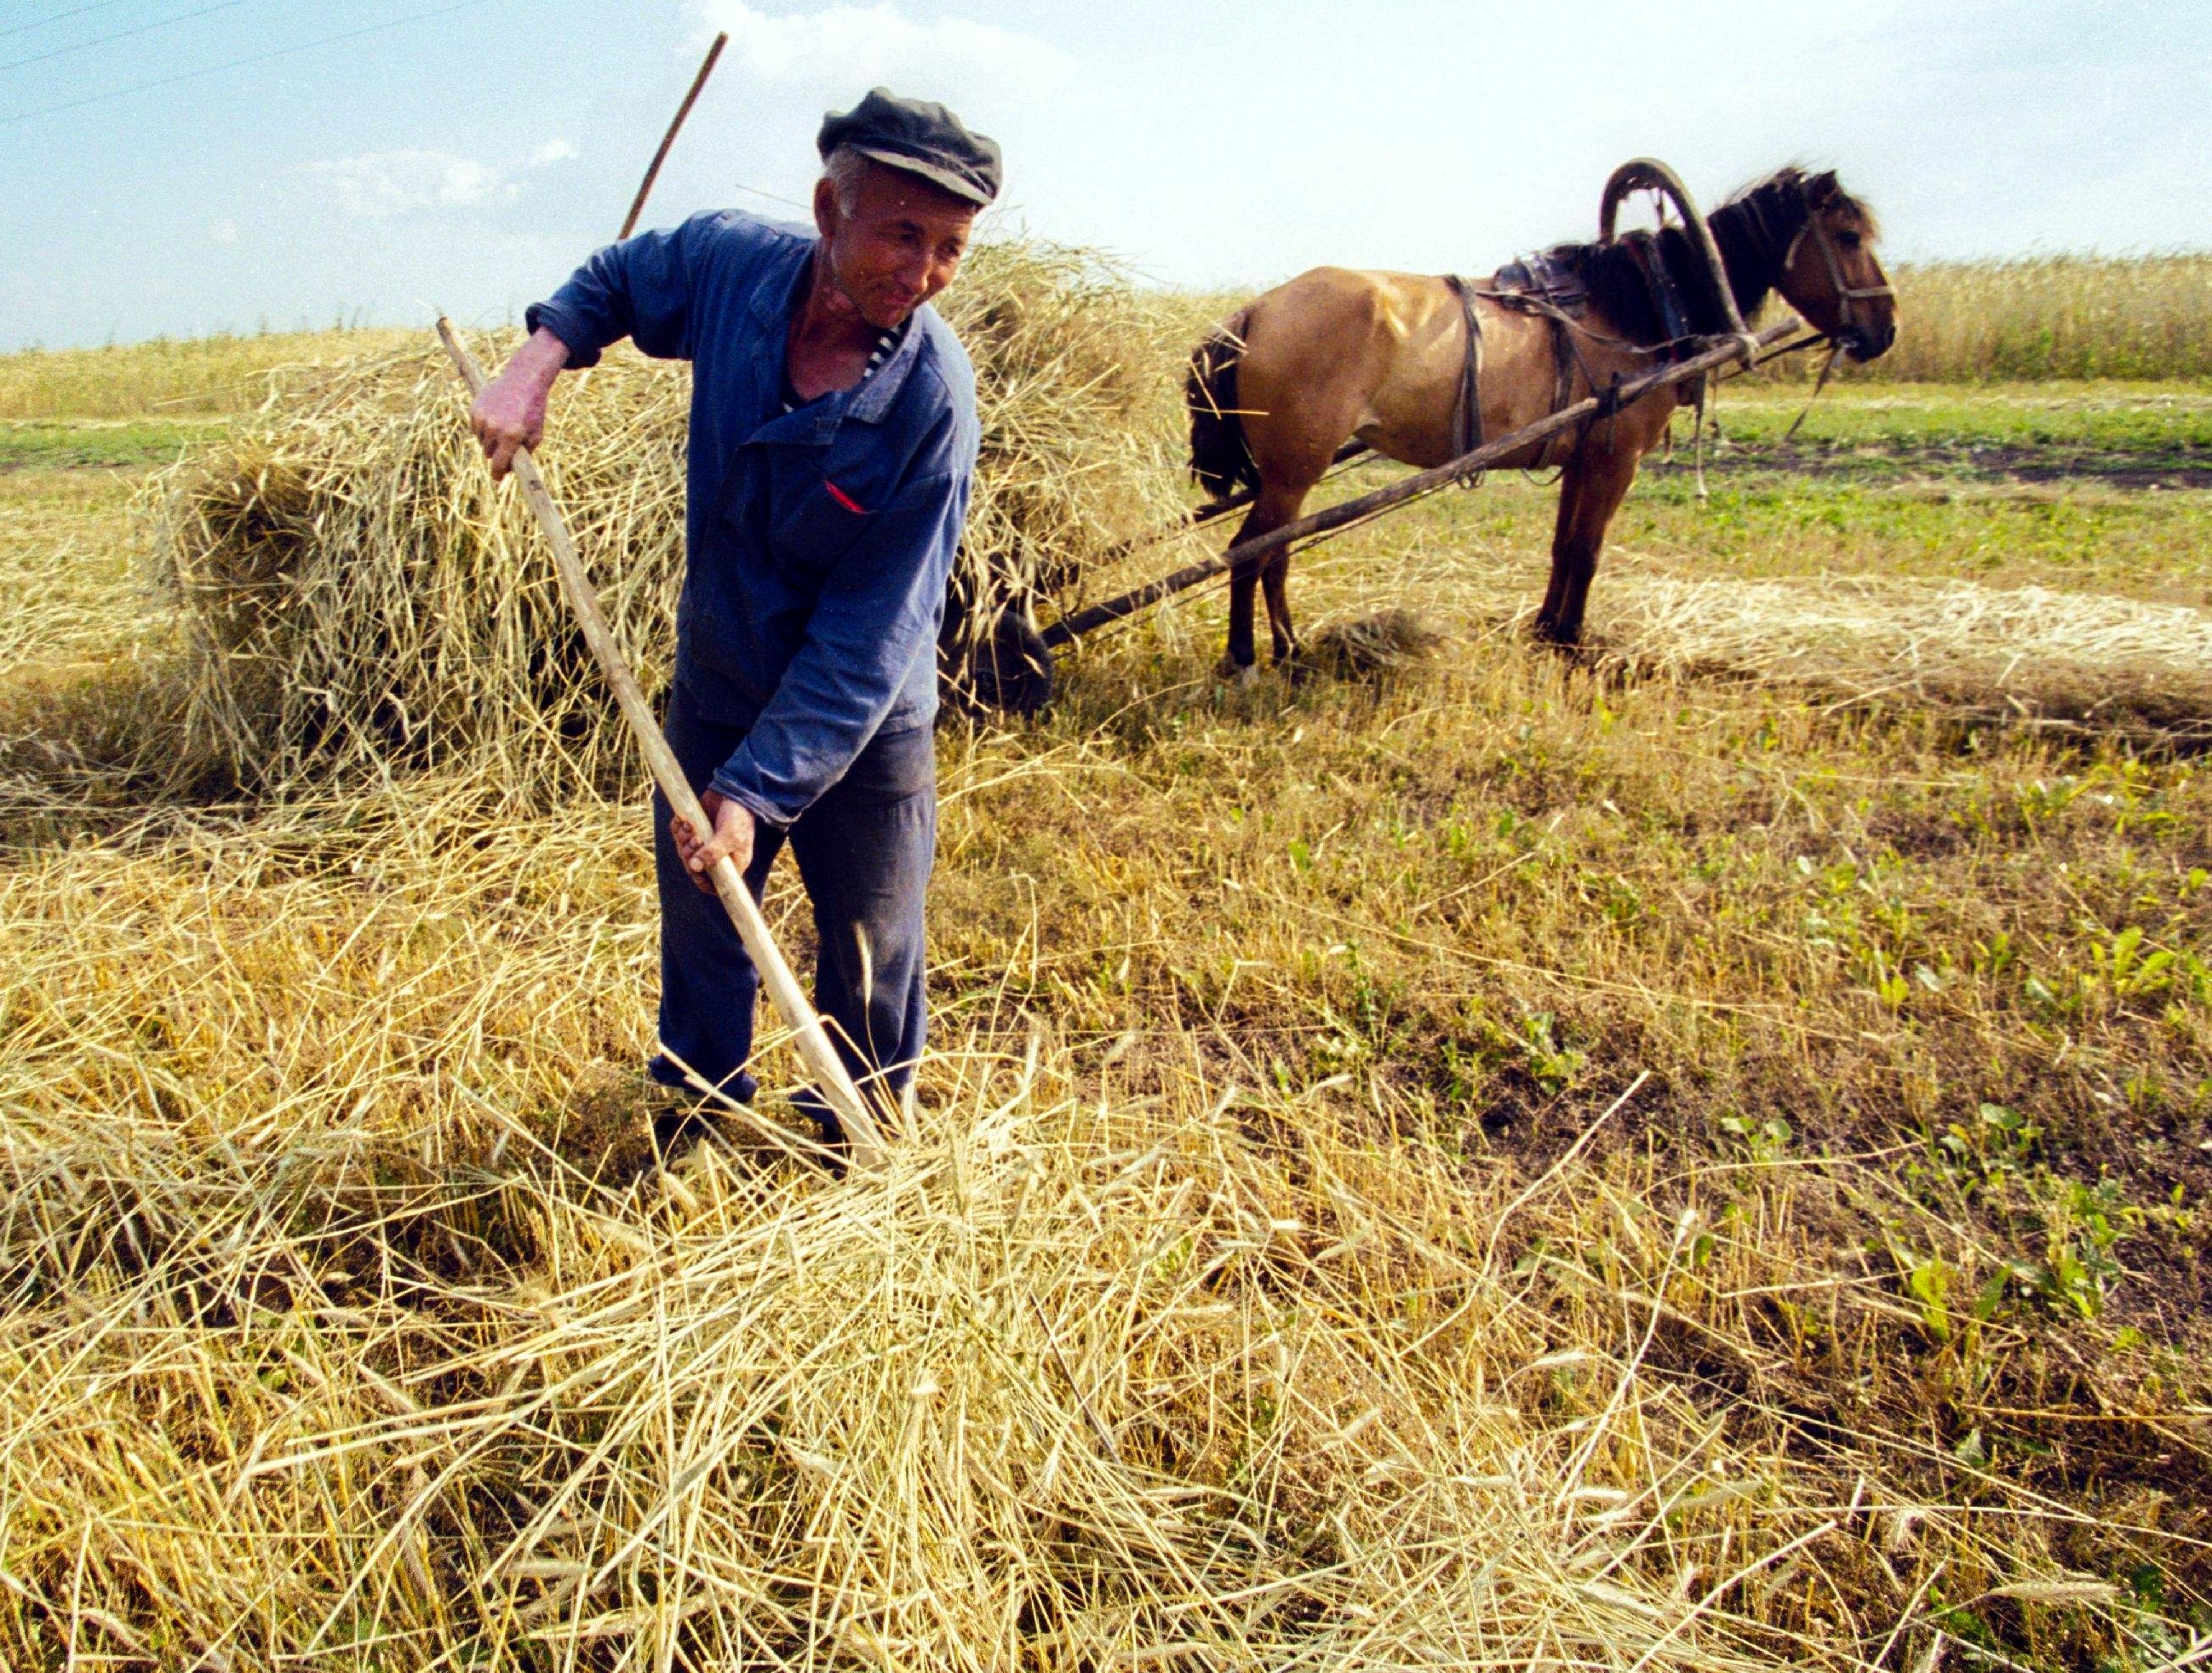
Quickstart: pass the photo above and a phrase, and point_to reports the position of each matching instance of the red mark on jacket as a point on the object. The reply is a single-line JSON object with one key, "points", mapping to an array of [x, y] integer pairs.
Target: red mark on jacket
{"points": [[844, 499]]}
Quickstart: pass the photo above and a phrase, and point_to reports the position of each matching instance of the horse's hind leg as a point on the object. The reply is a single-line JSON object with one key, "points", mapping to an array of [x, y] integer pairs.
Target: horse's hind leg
{"points": [[1238, 658], [1278, 504], [1274, 582]]}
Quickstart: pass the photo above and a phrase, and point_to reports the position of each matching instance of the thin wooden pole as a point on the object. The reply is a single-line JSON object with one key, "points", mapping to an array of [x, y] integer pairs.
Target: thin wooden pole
{"points": [[815, 1047], [653, 170], [1068, 629]]}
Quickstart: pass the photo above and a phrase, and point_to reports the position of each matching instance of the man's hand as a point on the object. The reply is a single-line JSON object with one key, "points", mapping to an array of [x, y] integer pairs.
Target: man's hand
{"points": [[732, 837], [511, 412]]}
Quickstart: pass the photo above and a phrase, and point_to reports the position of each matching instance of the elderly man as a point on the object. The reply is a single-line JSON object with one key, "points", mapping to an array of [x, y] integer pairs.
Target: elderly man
{"points": [[833, 443]]}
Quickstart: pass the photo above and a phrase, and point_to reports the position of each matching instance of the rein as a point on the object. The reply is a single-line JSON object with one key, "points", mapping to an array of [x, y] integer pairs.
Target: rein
{"points": [[1820, 383]]}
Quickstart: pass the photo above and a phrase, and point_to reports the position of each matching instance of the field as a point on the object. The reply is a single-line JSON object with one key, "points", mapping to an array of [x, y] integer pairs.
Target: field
{"points": [[1692, 1158]]}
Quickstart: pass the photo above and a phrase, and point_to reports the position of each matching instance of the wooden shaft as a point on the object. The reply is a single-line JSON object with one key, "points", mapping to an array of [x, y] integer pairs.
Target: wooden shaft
{"points": [[1211, 512], [653, 169], [1071, 628], [815, 1047]]}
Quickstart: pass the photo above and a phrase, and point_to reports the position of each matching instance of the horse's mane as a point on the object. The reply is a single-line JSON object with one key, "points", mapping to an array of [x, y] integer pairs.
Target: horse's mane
{"points": [[1754, 229]]}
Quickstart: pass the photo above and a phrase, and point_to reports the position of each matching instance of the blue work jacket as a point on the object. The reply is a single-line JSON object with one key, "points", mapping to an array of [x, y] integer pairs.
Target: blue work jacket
{"points": [[817, 542]]}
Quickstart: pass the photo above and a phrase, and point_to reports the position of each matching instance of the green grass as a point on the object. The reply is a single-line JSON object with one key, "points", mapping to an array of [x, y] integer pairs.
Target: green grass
{"points": [[2155, 419], [63, 445], [1899, 493]]}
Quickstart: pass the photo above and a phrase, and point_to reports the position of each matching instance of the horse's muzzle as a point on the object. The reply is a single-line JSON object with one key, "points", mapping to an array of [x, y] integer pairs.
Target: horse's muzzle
{"points": [[1864, 343]]}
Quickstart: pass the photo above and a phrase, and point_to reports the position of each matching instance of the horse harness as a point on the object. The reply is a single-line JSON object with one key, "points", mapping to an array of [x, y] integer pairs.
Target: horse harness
{"points": [[1467, 417], [1542, 285], [1538, 284]]}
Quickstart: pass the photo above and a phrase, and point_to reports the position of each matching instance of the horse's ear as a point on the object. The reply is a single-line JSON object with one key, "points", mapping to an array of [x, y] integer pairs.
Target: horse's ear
{"points": [[1822, 191]]}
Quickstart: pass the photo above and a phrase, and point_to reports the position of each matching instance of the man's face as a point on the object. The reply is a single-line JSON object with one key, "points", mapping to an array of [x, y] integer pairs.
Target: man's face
{"points": [[899, 244]]}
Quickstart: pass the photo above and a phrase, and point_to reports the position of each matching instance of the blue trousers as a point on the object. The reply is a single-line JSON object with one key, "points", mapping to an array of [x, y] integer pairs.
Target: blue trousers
{"points": [[864, 851]]}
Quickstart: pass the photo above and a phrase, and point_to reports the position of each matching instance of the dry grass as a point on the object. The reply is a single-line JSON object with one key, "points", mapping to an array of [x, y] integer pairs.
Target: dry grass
{"points": [[172, 377], [2054, 317], [334, 1346]]}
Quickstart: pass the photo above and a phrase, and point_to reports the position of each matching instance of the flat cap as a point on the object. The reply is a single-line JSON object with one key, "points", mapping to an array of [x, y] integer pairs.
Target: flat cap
{"points": [[921, 138]]}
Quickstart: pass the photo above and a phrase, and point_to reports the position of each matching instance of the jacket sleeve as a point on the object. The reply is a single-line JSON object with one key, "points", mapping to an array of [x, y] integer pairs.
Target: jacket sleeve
{"points": [[642, 289], [878, 610]]}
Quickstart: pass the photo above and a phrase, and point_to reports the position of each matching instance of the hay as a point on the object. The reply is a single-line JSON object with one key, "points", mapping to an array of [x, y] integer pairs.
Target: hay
{"points": [[1084, 1383], [359, 599], [1381, 643], [2067, 658]]}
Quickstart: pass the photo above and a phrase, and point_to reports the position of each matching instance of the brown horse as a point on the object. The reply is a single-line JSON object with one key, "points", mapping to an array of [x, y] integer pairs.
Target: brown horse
{"points": [[1384, 358]]}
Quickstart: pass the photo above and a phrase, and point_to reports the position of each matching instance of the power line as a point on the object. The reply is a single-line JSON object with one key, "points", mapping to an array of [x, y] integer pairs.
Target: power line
{"points": [[773, 198], [120, 34], [59, 17], [238, 63]]}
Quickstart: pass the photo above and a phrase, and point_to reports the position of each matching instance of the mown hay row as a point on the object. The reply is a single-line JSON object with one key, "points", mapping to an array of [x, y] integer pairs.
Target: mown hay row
{"points": [[359, 600], [2069, 658]]}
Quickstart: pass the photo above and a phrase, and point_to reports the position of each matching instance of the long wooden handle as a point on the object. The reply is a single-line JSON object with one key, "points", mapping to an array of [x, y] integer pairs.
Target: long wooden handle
{"points": [[815, 1047], [1069, 628], [653, 170]]}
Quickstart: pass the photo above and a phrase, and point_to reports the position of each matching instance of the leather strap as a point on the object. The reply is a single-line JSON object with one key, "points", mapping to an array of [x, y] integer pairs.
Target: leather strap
{"points": [[1563, 386], [1467, 417]]}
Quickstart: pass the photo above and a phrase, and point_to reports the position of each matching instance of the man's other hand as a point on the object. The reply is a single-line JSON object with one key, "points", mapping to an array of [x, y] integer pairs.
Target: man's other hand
{"points": [[732, 839], [510, 414]]}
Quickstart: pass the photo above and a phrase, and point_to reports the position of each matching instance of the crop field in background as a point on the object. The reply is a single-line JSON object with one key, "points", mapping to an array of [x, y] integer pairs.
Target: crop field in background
{"points": [[1685, 1159]]}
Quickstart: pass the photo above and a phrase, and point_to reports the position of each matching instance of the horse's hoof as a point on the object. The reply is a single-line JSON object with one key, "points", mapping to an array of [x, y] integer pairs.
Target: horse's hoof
{"points": [[1294, 668], [1238, 674]]}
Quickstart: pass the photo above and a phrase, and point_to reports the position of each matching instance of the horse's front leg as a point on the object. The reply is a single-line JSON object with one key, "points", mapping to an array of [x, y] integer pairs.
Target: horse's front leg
{"points": [[1591, 488]]}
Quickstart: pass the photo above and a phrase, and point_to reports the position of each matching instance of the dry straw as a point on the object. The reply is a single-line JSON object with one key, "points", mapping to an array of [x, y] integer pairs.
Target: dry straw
{"points": [[375, 1372], [360, 600], [2067, 659]]}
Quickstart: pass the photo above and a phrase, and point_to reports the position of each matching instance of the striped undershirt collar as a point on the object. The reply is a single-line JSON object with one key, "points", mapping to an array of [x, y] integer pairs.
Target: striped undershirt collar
{"points": [[886, 344]]}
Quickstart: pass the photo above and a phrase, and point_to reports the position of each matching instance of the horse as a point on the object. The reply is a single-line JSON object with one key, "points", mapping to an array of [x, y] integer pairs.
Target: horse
{"points": [[1419, 368]]}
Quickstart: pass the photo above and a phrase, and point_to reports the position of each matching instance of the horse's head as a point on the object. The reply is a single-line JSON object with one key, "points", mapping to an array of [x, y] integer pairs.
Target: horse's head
{"points": [[1830, 274]]}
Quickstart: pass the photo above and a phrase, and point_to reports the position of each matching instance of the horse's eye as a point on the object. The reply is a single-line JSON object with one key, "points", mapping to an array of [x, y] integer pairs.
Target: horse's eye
{"points": [[1849, 240]]}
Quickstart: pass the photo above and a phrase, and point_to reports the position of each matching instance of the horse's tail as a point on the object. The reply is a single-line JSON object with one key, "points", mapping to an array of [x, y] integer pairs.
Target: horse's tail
{"points": [[1221, 458]]}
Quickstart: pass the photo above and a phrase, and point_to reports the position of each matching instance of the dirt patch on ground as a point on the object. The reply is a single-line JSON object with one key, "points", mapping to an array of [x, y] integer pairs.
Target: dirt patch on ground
{"points": [[1979, 462]]}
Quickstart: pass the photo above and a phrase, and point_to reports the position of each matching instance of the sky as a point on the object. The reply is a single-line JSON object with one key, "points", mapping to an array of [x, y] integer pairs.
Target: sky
{"points": [[183, 167]]}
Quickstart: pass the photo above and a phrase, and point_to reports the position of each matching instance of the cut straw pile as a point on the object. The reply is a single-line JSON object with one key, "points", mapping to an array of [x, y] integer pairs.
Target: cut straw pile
{"points": [[360, 600], [2069, 659]]}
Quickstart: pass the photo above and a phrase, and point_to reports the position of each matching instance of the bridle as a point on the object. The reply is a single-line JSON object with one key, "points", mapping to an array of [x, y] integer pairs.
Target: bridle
{"points": [[1848, 294]]}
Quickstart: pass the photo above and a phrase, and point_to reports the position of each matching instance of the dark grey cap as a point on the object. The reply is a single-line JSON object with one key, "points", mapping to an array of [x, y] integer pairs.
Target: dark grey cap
{"points": [[920, 138]]}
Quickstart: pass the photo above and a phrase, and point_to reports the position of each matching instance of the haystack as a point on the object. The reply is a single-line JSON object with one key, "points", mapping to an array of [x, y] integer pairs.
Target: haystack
{"points": [[361, 600]]}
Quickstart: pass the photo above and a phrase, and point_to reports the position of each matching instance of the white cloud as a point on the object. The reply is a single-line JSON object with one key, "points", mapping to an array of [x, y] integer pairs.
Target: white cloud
{"points": [[553, 150], [858, 45], [393, 182], [224, 231]]}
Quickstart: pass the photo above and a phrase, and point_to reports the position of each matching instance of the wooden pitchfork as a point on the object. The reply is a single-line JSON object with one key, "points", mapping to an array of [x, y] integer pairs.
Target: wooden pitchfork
{"points": [[831, 1078]]}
